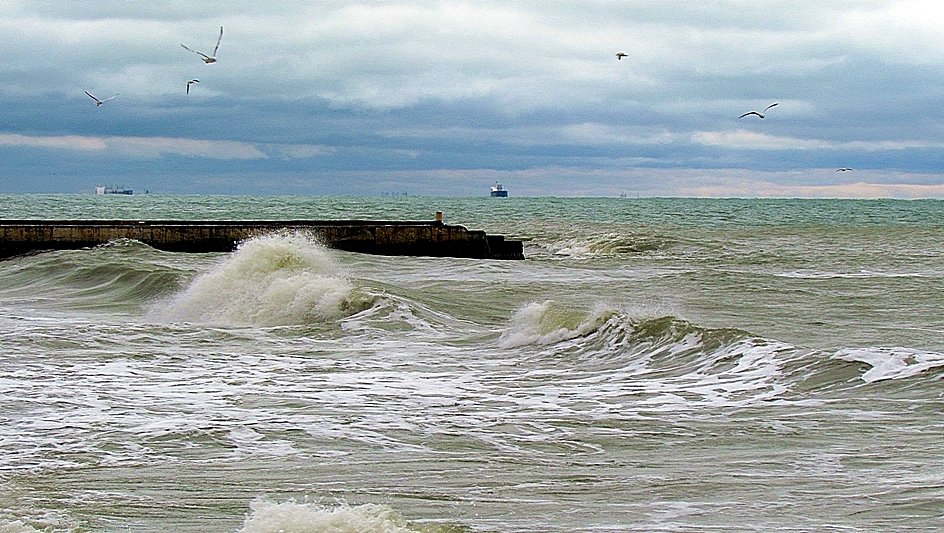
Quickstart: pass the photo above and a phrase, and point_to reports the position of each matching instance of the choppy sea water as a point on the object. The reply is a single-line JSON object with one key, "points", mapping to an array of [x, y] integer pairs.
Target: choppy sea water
{"points": [[653, 365]]}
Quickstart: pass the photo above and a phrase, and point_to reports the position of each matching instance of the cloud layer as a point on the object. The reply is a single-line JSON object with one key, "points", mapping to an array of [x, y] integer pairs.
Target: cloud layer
{"points": [[445, 97]]}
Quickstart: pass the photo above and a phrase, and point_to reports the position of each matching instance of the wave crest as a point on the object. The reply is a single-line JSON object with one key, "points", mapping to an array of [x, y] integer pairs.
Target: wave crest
{"points": [[609, 244], [16, 526], [891, 363], [675, 361], [549, 323], [663, 360], [272, 280], [269, 517]]}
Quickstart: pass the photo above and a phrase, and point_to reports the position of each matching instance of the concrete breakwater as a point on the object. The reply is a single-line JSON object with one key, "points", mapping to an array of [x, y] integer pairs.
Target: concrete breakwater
{"points": [[433, 238]]}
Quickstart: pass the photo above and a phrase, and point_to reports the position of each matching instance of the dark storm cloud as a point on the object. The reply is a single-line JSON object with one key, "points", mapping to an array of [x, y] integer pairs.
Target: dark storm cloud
{"points": [[447, 96]]}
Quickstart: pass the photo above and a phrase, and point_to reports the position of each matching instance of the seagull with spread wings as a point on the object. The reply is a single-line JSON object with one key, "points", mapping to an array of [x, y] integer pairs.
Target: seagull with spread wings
{"points": [[760, 113], [191, 82], [621, 55], [208, 59], [97, 101]]}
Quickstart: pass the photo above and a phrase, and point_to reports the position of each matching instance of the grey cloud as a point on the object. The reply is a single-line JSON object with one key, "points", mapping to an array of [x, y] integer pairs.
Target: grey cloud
{"points": [[354, 87]]}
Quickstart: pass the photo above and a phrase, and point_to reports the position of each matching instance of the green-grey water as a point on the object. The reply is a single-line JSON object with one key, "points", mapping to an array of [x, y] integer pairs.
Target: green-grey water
{"points": [[653, 365]]}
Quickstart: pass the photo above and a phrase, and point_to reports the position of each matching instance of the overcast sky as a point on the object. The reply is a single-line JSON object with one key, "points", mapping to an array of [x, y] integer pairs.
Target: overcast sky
{"points": [[444, 98]]}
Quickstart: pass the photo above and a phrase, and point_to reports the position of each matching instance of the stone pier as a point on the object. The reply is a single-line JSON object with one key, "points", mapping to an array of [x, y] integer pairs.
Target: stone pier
{"points": [[431, 238]]}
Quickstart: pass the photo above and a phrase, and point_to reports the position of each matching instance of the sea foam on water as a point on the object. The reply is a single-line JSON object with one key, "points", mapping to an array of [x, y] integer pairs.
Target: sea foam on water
{"points": [[269, 517], [892, 363], [281, 279], [16, 526], [549, 322]]}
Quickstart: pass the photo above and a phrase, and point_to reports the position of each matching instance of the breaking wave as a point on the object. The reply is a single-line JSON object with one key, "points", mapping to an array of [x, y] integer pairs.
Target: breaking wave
{"points": [[892, 363], [273, 280], [608, 244], [16, 526], [271, 517], [668, 357], [548, 323]]}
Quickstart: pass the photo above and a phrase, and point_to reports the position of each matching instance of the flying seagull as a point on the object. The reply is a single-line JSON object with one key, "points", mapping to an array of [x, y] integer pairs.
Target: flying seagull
{"points": [[208, 59], [843, 169], [621, 55], [191, 82], [760, 114], [97, 101]]}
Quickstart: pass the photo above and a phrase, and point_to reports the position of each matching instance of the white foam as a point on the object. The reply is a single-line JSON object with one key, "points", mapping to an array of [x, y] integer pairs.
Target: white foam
{"points": [[667, 362], [548, 323], [16, 527], [270, 517], [861, 274], [269, 281], [604, 245], [891, 363]]}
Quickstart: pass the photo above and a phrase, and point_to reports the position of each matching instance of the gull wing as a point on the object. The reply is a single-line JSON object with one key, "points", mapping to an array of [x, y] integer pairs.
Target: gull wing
{"points": [[201, 54], [112, 97], [92, 97], [218, 39], [751, 113], [771, 105]]}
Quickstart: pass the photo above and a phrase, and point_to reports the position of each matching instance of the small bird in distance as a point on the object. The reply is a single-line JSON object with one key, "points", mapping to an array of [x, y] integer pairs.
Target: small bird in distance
{"points": [[760, 113], [100, 102], [843, 169], [621, 55], [191, 82], [208, 59]]}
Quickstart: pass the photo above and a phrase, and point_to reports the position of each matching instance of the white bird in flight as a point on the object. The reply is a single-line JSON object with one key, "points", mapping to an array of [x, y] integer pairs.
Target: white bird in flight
{"points": [[97, 101], [843, 169], [208, 59], [760, 114], [191, 82]]}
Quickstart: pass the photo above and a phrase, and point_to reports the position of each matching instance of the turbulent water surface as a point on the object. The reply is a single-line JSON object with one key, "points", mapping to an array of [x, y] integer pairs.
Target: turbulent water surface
{"points": [[653, 365]]}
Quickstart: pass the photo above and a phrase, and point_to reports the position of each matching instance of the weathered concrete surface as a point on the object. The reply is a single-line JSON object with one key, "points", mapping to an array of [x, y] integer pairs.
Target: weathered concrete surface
{"points": [[385, 237]]}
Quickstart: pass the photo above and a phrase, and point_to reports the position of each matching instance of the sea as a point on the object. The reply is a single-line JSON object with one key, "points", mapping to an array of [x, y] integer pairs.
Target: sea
{"points": [[652, 365]]}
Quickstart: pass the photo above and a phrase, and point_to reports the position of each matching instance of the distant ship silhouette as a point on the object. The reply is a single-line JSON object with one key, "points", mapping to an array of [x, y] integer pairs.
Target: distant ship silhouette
{"points": [[112, 190]]}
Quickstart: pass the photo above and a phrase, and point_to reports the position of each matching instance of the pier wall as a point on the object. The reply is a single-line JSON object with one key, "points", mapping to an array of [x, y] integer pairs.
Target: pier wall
{"points": [[384, 237]]}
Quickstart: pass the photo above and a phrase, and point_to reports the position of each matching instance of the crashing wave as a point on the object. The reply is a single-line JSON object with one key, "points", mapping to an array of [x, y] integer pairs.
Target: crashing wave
{"points": [[273, 280]]}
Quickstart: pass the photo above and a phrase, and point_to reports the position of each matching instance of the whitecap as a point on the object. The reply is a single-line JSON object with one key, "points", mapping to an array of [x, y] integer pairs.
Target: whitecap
{"points": [[891, 363], [273, 280], [16, 526], [548, 322], [271, 517]]}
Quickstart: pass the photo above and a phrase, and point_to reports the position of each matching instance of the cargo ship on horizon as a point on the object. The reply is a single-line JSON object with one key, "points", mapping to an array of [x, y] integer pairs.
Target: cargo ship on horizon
{"points": [[112, 190]]}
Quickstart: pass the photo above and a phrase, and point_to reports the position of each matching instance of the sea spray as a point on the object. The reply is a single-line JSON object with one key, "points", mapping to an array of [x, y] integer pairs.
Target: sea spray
{"points": [[279, 279], [548, 323], [725, 393], [285, 517]]}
